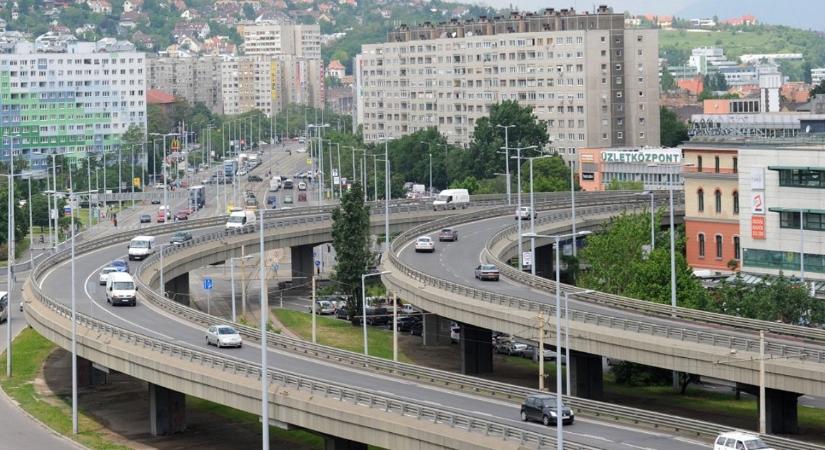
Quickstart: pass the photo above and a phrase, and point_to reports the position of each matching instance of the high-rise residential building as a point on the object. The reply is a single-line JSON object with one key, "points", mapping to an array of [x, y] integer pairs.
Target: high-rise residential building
{"points": [[272, 39], [817, 75], [61, 96], [251, 83], [592, 82], [192, 79]]}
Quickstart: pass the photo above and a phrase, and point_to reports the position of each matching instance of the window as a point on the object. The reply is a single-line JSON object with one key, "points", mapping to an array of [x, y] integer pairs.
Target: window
{"points": [[718, 246], [701, 242], [737, 249], [735, 202], [813, 221], [718, 198], [806, 178], [716, 164], [698, 163], [735, 165], [700, 200]]}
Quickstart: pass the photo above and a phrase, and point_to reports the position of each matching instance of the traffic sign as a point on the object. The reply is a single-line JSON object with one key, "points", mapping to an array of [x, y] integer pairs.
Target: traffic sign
{"points": [[207, 283], [317, 263], [527, 259]]}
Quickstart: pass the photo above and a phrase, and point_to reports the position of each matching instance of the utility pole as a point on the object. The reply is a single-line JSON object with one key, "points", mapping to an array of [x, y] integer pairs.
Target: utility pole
{"points": [[540, 352]]}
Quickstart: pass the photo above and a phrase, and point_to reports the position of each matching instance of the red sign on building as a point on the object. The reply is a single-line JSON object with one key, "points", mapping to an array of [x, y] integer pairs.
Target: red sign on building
{"points": [[758, 227]]}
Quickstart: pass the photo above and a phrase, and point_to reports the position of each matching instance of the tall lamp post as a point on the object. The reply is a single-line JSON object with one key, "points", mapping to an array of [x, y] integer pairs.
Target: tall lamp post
{"points": [[364, 306], [10, 257], [163, 167], [533, 215], [652, 218], [518, 196], [557, 238], [320, 158], [507, 159]]}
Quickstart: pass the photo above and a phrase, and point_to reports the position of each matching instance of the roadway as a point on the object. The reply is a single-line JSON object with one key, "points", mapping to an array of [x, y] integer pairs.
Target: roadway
{"points": [[147, 320]]}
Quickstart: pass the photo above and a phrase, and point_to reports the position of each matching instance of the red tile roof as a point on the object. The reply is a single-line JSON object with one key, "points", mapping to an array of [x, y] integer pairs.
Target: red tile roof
{"points": [[158, 97]]}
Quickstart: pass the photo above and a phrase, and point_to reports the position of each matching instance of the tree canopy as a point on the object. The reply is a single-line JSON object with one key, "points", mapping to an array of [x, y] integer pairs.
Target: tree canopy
{"points": [[672, 130], [549, 175], [350, 237]]}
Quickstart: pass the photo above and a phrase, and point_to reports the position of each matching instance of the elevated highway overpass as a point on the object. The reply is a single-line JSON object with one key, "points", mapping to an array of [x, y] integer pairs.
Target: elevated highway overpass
{"points": [[163, 331]]}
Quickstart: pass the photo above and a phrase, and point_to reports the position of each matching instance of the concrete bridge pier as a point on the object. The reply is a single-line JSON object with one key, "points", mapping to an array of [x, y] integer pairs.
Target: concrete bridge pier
{"points": [[88, 375], [781, 415], [432, 332], [178, 288], [544, 261], [167, 411], [303, 262], [337, 443], [476, 350], [586, 375]]}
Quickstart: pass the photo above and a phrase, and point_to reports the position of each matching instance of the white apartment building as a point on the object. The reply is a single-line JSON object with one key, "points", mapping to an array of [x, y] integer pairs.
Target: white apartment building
{"points": [[592, 82], [69, 97], [707, 59], [271, 39], [817, 75], [195, 79]]}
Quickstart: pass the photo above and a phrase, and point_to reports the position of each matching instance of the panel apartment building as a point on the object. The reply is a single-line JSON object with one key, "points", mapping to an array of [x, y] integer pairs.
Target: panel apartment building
{"points": [[592, 82], [272, 38], [193, 79], [62, 96]]}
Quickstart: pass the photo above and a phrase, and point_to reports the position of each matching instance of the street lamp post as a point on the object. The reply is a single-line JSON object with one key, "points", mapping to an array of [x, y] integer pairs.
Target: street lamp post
{"points": [[264, 348], [10, 256], [518, 196], [507, 159], [74, 310], [364, 306], [572, 203], [533, 216], [557, 238]]}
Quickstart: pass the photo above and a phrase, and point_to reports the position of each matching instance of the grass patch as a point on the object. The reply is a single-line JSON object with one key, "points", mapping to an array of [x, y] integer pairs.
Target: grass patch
{"points": [[29, 351], [518, 361], [339, 333]]}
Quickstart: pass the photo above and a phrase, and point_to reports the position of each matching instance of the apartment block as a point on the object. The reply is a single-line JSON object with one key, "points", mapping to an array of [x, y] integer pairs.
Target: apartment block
{"points": [[592, 82], [271, 39], [61, 96], [192, 79]]}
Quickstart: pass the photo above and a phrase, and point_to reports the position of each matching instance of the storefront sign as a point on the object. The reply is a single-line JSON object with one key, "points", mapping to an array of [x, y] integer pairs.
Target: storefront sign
{"points": [[758, 178], [758, 227], [758, 203], [588, 176], [643, 157]]}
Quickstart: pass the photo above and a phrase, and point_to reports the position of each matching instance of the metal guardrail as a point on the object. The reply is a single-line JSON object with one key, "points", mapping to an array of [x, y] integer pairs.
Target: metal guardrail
{"points": [[451, 380], [383, 402], [646, 307]]}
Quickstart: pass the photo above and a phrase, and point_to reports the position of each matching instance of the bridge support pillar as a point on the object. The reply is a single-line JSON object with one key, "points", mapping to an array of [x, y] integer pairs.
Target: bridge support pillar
{"points": [[167, 411], [88, 375], [431, 332], [543, 261], [303, 262], [178, 289], [781, 409], [337, 443], [476, 350], [586, 375]]}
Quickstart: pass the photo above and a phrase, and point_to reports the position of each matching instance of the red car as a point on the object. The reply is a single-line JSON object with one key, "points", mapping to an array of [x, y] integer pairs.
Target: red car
{"points": [[448, 234], [182, 215]]}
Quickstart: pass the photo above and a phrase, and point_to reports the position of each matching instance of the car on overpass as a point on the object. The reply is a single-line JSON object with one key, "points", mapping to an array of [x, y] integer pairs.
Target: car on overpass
{"points": [[120, 264], [542, 408], [448, 234], [424, 244], [486, 272], [739, 440], [180, 238], [525, 213], [223, 336], [145, 218], [103, 276]]}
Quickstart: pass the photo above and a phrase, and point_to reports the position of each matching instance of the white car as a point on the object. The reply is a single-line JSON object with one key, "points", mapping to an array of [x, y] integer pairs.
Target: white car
{"points": [[737, 440], [223, 336], [424, 244], [104, 274], [409, 309], [525, 213]]}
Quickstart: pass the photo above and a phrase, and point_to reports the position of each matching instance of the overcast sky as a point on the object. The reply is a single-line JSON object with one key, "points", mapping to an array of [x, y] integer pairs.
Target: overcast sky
{"points": [[792, 13]]}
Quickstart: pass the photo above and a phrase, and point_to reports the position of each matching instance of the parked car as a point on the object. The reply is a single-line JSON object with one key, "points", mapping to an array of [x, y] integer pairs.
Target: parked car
{"points": [[549, 355], [542, 408], [455, 333], [342, 313], [424, 244], [302, 186], [409, 309], [511, 348], [323, 307], [302, 196], [739, 440], [104, 274], [242, 172], [254, 179], [223, 336], [375, 316], [525, 212], [417, 329], [4, 306], [120, 264], [486, 272], [405, 323], [180, 237], [287, 200], [448, 234], [145, 218]]}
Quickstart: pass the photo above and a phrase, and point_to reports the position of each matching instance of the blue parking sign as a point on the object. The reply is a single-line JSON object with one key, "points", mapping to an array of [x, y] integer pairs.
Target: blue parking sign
{"points": [[207, 283]]}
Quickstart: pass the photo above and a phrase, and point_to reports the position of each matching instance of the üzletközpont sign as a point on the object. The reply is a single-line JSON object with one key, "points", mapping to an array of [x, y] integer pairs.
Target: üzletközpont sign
{"points": [[674, 157]]}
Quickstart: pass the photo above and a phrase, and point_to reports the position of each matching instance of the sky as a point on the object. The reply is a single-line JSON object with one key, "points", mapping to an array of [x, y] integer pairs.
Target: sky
{"points": [[792, 13]]}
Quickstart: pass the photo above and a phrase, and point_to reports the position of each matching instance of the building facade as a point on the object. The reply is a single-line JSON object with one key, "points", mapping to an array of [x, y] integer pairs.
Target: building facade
{"points": [[192, 79], [654, 168], [712, 207], [66, 97], [592, 82], [271, 39]]}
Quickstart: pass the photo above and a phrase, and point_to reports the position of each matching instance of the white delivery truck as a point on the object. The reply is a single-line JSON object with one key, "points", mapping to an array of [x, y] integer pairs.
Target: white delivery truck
{"points": [[141, 246], [240, 218], [451, 199], [121, 289]]}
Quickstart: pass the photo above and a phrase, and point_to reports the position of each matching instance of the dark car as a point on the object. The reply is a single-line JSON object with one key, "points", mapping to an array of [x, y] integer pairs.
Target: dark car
{"points": [[375, 316], [180, 238], [272, 201], [145, 218], [155, 201], [486, 272], [542, 408], [121, 264], [182, 214], [417, 329], [448, 234], [341, 313], [254, 179], [405, 323]]}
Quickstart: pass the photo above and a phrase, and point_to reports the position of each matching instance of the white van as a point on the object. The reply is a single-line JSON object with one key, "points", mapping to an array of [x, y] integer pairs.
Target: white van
{"points": [[451, 199], [141, 246], [121, 289], [239, 219], [737, 440], [274, 183]]}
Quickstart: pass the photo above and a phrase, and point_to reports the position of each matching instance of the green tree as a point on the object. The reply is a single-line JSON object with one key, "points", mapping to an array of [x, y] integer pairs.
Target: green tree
{"points": [[672, 130], [351, 238], [482, 159], [668, 82], [470, 183], [818, 89], [249, 11], [549, 175], [616, 185], [773, 299]]}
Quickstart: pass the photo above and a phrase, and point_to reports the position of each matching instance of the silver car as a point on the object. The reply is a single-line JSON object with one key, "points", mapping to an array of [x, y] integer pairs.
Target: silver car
{"points": [[223, 336], [4, 306]]}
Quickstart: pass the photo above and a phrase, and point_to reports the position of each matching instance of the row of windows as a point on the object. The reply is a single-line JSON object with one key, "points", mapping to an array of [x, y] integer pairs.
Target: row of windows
{"points": [[788, 261], [719, 246], [717, 195], [716, 164], [813, 221], [807, 178]]}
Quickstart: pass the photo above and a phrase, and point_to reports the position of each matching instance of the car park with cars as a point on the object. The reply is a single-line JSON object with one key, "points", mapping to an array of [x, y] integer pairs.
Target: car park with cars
{"points": [[486, 272]]}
